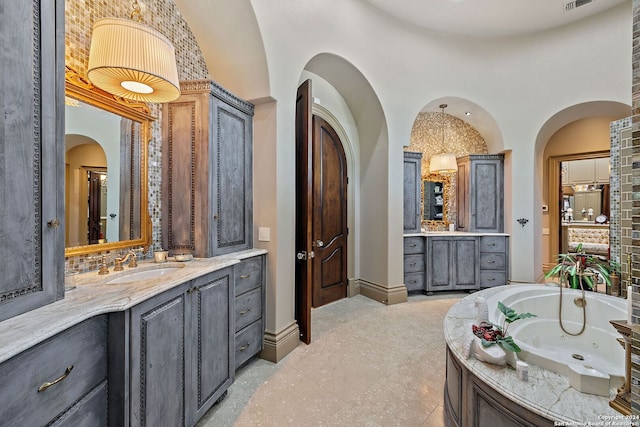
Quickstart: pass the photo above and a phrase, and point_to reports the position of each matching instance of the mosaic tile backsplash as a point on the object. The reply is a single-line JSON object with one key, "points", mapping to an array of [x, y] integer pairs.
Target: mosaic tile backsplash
{"points": [[164, 16], [459, 138]]}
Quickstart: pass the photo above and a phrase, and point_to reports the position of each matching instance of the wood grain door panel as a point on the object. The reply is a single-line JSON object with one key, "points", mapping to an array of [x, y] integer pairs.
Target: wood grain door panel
{"points": [[304, 206], [329, 215]]}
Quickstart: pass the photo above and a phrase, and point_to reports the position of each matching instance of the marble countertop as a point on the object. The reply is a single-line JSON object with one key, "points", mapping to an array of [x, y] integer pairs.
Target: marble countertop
{"points": [[92, 296], [546, 393], [451, 233]]}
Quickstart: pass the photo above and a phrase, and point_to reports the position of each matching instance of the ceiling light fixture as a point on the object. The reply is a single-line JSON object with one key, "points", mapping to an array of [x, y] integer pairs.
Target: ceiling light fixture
{"points": [[445, 162], [133, 61]]}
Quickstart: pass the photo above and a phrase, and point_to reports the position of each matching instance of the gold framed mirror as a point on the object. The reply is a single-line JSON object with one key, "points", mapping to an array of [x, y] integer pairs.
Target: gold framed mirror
{"points": [[436, 197], [106, 182]]}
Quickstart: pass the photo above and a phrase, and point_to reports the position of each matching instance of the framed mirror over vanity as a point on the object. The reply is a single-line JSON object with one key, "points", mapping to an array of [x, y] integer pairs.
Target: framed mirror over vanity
{"points": [[436, 199], [106, 142]]}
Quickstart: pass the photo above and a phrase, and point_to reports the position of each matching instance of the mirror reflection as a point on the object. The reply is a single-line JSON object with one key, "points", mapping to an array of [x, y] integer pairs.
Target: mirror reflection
{"points": [[96, 209], [433, 198], [436, 197], [105, 170]]}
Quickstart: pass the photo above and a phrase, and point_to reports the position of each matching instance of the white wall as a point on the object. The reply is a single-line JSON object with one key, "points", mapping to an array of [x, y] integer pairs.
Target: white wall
{"points": [[521, 82]]}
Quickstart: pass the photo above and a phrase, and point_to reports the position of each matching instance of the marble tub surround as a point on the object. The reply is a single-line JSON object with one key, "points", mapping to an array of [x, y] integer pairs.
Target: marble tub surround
{"points": [[547, 393], [93, 296]]}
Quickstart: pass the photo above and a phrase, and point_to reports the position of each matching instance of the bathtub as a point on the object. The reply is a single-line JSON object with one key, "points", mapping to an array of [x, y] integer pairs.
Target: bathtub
{"points": [[594, 361]]}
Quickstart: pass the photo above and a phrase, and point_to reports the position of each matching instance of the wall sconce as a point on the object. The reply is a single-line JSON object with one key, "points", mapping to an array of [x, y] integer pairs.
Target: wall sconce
{"points": [[445, 162], [522, 221], [133, 61]]}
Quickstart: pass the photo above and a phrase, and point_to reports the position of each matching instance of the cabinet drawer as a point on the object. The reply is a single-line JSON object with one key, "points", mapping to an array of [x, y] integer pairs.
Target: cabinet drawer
{"points": [[248, 275], [248, 308], [83, 346], [413, 263], [91, 411], [413, 245], [493, 244], [492, 261], [489, 279], [248, 342], [414, 281]]}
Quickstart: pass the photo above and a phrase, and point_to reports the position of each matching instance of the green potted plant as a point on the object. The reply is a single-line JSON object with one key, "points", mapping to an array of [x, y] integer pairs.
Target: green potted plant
{"points": [[582, 270]]}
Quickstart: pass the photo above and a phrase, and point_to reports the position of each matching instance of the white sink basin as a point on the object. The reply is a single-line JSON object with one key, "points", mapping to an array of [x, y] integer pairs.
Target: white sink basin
{"points": [[137, 276]]}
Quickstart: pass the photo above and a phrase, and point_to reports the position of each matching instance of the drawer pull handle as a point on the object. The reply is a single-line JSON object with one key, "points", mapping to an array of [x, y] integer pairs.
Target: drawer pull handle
{"points": [[46, 385], [412, 264], [413, 245], [491, 279], [244, 347], [492, 244], [244, 276], [491, 261], [243, 312]]}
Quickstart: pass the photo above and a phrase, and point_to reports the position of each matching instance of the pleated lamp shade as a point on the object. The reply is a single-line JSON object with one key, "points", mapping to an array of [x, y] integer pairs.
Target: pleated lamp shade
{"points": [[443, 163], [132, 60]]}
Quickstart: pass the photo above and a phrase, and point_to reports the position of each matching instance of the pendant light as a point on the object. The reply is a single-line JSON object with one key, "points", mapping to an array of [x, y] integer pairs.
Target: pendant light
{"points": [[133, 61], [444, 162]]}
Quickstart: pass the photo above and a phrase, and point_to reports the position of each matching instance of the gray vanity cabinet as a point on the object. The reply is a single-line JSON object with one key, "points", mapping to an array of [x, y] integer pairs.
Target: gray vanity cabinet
{"points": [[31, 155], [181, 355], [412, 194], [207, 171], [452, 263], [480, 193], [59, 382]]}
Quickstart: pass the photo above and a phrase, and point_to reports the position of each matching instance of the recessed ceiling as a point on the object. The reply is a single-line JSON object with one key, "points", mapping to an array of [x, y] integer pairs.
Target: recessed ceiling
{"points": [[491, 18]]}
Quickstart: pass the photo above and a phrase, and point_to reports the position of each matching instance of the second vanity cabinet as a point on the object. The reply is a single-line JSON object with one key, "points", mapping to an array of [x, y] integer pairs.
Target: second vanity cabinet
{"points": [[181, 355], [450, 262]]}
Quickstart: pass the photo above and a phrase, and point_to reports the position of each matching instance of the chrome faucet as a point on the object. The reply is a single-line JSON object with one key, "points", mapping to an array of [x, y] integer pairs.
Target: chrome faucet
{"points": [[120, 260]]}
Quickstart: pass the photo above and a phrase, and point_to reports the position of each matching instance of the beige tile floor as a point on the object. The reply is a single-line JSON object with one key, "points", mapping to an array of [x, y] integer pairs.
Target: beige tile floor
{"points": [[368, 365]]}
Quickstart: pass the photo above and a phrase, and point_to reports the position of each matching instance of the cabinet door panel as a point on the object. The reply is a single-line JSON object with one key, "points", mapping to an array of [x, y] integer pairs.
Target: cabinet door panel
{"points": [[232, 184], [464, 263], [439, 269], [158, 360], [485, 196], [31, 157], [412, 183], [211, 363]]}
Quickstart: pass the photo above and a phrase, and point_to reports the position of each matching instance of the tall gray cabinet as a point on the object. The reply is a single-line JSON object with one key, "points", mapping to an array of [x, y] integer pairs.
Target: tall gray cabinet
{"points": [[207, 171], [31, 155], [480, 193], [411, 187]]}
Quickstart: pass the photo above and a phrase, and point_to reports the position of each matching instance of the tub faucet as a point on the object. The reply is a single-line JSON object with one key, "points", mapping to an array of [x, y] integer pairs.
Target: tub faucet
{"points": [[120, 260]]}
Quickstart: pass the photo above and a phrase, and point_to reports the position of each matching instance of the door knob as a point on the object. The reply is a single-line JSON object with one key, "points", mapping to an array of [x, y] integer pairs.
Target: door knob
{"points": [[319, 243]]}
